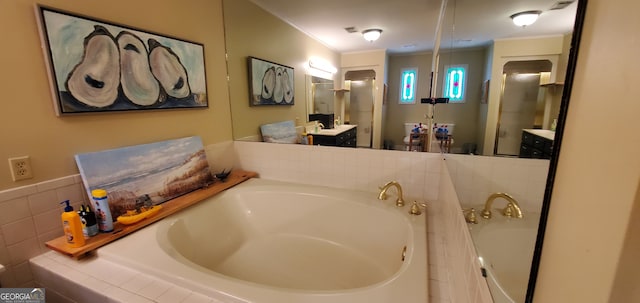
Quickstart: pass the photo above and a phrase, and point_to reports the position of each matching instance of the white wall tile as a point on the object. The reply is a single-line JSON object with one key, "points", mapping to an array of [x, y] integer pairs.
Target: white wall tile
{"points": [[23, 251], [96, 284], [44, 201], [174, 294], [13, 210], [18, 192], [55, 183], [117, 295], [4, 253], [48, 221], [116, 275], [137, 282], [75, 193], [53, 296], [47, 236], [22, 273], [7, 278], [155, 289], [197, 298], [18, 231]]}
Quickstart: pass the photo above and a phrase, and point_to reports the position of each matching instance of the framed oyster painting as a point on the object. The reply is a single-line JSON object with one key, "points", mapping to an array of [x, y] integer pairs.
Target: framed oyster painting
{"points": [[98, 66], [270, 83]]}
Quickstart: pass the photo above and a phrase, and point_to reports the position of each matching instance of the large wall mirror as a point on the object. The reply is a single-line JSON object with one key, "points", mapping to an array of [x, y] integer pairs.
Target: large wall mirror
{"points": [[516, 79]]}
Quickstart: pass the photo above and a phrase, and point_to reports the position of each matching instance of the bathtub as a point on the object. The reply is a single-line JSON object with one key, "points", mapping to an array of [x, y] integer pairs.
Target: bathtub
{"points": [[505, 246], [270, 241]]}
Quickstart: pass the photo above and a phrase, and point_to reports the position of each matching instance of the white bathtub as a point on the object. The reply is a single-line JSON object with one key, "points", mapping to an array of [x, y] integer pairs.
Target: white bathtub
{"points": [[269, 241], [506, 248]]}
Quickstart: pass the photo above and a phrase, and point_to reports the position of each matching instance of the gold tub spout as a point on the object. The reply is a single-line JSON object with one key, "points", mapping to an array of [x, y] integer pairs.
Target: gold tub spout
{"points": [[512, 209], [383, 192]]}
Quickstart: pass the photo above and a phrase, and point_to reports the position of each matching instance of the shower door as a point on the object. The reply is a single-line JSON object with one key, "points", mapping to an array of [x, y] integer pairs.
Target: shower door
{"points": [[520, 103], [361, 104]]}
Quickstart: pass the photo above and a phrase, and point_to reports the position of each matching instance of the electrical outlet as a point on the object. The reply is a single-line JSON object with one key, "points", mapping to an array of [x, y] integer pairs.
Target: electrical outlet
{"points": [[20, 168]]}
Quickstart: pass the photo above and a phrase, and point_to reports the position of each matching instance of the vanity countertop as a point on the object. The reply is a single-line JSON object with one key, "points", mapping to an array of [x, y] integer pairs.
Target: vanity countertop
{"points": [[545, 133], [334, 131]]}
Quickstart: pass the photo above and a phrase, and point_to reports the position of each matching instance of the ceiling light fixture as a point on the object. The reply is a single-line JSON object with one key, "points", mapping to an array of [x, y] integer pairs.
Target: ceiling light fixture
{"points": [[525, 18], [372, 34]]}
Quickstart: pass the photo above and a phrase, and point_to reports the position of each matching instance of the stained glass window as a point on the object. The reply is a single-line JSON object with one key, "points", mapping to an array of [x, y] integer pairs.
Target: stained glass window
{"points": [[455, 83], [408, 84]]}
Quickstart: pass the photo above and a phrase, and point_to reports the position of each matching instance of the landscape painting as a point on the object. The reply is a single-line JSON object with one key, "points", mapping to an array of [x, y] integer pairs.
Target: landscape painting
{"points": [[98, 66], [146, 175]]}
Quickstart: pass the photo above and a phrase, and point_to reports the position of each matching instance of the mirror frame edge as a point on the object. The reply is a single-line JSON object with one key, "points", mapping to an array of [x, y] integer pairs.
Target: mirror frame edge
{"points": [[564, 106]]}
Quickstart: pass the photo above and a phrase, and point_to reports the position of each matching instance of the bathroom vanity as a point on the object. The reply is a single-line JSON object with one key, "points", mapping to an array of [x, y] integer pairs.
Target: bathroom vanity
{"points": [[537, 143], [340, 136]]}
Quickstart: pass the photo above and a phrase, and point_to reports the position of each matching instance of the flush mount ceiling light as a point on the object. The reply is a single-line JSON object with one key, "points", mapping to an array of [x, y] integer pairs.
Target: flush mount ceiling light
{"points": [[372, 34], [525, 18]]}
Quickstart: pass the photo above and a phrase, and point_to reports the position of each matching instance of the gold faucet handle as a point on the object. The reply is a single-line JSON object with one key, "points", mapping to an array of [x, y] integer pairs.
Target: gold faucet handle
{"points": [[470, 215], [415, 208], [510, 211]]}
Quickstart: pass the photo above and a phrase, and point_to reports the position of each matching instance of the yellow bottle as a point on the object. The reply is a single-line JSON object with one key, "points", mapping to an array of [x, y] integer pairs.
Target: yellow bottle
{"points": [[72, 226]]}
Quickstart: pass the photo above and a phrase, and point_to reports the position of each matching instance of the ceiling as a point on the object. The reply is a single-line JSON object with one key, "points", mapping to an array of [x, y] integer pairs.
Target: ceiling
{"points": [[410, 25]]}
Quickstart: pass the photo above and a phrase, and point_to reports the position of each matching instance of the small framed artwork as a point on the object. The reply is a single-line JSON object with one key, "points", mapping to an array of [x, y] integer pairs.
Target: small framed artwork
{"points": [[98, 66], [270, 83]]}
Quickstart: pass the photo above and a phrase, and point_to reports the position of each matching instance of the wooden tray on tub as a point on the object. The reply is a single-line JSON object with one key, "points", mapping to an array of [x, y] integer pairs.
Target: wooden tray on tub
{"points": [[168, 208]]}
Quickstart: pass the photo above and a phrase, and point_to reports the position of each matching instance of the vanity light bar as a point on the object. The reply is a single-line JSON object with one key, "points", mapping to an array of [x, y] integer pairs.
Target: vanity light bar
{"points": [[322, 66]]}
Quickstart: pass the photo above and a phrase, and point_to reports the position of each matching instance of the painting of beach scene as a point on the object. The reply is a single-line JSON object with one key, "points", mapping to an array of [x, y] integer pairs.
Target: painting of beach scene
{"points": [[145, 175], [281, 132]]}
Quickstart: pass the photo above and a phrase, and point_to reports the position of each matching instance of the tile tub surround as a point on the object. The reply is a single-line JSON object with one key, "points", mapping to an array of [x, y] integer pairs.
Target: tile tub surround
{"points": [[29, 217], [477, 177], [94, 280], [419, 174], [466, 283], [359, 169]]}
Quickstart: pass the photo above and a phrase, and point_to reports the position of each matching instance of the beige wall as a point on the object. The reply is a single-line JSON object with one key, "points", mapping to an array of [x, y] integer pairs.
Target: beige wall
{"points": [[464, 115], [585, 257], [28, 121], [251, 31]]}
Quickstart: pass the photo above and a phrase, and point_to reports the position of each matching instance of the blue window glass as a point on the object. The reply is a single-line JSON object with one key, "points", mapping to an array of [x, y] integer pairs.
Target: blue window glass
{"points": [[408, 81]]}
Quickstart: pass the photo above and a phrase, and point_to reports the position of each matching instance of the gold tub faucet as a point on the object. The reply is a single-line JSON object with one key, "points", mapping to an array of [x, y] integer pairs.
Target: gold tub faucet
{"points": [[383, 192], [512, 209]]}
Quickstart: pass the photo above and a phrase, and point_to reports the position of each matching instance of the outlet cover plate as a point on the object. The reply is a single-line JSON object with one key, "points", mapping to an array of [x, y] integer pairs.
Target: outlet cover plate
{"points": [[20, 168]]}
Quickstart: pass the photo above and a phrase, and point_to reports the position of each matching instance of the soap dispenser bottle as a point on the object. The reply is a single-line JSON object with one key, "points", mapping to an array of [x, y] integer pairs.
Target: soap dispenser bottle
{"points": [[72, 226]]}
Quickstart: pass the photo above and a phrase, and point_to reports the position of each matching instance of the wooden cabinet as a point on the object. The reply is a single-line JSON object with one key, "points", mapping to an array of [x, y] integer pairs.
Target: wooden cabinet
{"points": [[536, 143], [346, 138]]}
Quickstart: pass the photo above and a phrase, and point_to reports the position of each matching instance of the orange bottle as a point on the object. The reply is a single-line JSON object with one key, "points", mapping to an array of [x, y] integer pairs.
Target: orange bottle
{"points": [[72, 226]]}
